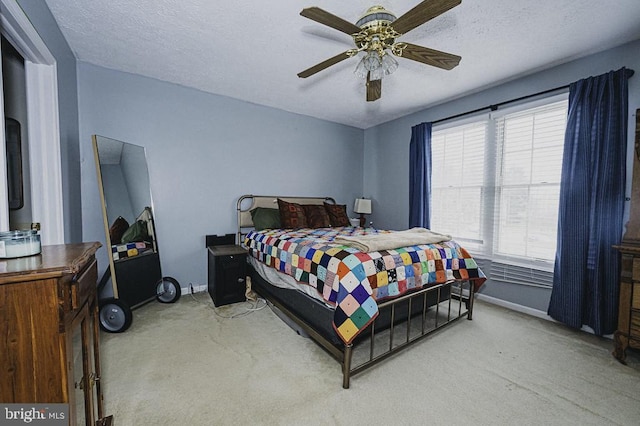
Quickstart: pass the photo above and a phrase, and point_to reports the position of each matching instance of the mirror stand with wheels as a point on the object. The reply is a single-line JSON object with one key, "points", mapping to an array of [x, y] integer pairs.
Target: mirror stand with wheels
{"points": [[168, 290], [134, 272]]}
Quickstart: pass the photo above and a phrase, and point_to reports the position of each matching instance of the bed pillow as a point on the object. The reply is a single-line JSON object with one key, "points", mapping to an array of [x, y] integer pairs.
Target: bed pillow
{"points": [[138, 231], [317, 216], [265, 218], [291, 215], [337, 214], [119, 226]]}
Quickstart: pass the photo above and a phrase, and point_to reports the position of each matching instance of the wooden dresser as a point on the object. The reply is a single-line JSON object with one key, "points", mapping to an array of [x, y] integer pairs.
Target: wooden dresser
{"points": [[628, 332], [49, 352]]}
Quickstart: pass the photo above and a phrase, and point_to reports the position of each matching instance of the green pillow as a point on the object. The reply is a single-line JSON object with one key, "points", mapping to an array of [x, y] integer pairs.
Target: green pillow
{"points": [[136, 232], [264, 218]]}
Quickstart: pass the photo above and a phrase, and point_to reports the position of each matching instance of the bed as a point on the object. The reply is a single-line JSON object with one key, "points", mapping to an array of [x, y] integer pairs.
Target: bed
{"points": [[360, 303]]}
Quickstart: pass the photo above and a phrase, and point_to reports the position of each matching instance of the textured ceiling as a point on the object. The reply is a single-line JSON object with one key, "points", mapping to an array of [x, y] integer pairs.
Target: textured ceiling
{"points": [[252, 51]]}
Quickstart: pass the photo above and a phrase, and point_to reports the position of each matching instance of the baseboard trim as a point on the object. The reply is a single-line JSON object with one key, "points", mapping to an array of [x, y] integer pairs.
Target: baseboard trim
{"points": [[515, 307], [196, 288], [529, 311]]}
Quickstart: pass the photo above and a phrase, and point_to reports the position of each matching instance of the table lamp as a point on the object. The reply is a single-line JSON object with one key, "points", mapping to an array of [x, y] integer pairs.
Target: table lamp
{"points": [[362, 206]]}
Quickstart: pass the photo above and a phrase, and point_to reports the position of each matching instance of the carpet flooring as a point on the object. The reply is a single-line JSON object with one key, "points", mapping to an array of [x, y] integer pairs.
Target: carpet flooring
{"points": [[189, 363]]}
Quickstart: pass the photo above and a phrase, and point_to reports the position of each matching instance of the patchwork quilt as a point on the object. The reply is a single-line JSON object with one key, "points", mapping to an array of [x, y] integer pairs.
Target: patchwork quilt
{"points": [[354, 281], [122, 251]]}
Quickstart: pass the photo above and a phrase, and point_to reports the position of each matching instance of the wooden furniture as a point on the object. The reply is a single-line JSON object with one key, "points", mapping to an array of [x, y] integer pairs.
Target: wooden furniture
{"points": [[632, 233], [628, 332], [49, 352], [227, 271]]}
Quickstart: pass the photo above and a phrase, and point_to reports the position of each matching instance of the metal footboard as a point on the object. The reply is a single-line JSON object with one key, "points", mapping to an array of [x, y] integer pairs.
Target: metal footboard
{"points": [[454, 301], [458, 304]]}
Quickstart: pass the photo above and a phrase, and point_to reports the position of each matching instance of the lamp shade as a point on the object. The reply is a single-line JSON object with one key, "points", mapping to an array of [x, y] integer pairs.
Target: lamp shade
{"points": [[362, 205]]}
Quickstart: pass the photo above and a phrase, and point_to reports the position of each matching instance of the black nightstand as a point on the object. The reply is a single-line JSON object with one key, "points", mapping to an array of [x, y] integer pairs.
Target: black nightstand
{"points": [[227, 266]]}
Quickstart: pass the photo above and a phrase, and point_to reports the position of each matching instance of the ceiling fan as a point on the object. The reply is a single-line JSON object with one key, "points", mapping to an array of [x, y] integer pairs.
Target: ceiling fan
{"points": [[375, 35]]}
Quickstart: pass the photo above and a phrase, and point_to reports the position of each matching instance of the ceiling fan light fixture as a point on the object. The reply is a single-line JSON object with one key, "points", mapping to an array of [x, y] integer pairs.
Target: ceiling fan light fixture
{"points": [[389, 64], [370, 62], [376, 74], [377, 64], [360, 70]]}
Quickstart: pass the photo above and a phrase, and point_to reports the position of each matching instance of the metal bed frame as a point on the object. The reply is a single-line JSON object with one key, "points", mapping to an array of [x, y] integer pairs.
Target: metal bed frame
{"points": [[455, 301]]}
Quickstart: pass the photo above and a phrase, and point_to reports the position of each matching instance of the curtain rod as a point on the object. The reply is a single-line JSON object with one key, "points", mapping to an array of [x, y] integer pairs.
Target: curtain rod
{"points": [[494, 107]]}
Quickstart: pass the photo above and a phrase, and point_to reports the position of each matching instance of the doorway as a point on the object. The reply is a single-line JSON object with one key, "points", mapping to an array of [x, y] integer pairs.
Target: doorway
{"points": [[16, 137], [41, 127]]}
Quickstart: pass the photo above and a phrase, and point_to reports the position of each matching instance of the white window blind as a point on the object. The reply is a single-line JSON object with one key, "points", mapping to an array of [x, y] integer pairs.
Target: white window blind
{"points": [[458, 163], [530, 145], [495, 188]]}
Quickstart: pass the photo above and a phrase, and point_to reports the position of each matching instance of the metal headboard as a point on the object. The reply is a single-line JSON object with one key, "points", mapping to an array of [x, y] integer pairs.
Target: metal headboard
{"points": [[246, 203]]}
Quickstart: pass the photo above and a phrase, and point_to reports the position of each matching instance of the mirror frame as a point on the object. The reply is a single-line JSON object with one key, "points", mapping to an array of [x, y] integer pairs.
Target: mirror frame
{"points": [[105, 219], [114, 271]]}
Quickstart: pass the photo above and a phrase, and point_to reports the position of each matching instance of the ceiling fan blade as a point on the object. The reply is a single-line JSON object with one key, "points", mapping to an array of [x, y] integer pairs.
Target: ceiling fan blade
{"points": [[324, 64], [422, 13], [330, 20], [374, 89], [431, 57]]}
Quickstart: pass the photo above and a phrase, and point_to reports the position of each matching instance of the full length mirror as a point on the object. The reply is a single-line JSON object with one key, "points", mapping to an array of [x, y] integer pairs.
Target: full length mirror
{"points": [[125, 179], [134, 275]]}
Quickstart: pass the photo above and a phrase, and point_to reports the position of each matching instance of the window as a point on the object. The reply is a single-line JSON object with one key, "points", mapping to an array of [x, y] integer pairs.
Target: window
{"points": [[458, 167], [496, 184], [528, 182]]}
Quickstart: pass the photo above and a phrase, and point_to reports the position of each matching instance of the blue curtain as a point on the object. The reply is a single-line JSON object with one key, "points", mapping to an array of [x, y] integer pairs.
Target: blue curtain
{"points": [[592, 197], [420, 176]]}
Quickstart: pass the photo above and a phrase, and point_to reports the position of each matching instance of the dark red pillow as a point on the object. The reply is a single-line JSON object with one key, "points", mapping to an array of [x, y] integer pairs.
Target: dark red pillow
{"points": [[317, 216], [337, 214], [291, 215], [117, 229]]}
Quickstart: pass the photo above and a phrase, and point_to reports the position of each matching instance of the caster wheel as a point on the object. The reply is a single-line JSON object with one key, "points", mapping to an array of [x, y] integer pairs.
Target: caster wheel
{"points": [[115, 316], [168, 290]]}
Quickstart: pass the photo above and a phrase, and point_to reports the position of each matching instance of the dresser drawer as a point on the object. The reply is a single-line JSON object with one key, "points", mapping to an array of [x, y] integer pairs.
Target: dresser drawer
{"points": [[84, 284], [635, 268], [635, 324]]}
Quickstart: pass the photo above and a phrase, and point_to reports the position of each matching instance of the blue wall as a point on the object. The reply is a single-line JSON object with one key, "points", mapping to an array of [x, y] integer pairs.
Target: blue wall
{"points": [[386, 177], [206, 150], [203, 152]]}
